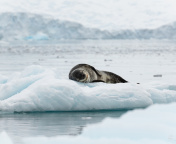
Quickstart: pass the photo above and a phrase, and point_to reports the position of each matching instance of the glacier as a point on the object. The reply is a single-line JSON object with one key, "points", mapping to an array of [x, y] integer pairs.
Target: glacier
{"points": [[31, 27], [39, 89], [27, 27]]}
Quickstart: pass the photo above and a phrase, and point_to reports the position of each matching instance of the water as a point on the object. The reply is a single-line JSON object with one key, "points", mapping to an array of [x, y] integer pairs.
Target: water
{"points": [[135, 60], [20, 125]]}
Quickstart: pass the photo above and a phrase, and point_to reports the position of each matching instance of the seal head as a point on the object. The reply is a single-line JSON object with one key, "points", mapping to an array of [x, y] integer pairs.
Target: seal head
{"points": [[80, 75], [84, 73]]}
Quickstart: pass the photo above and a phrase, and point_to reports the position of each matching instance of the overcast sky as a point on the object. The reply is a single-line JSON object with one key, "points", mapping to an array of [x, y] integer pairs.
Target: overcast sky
{"points": [[103, 14]]}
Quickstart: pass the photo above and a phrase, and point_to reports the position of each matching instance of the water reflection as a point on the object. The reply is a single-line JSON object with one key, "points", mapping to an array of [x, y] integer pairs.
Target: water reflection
{"points": [[51, 124]]}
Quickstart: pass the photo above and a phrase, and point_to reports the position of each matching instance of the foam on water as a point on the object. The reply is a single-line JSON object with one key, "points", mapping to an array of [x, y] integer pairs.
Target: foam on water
{"points": [[40, 89]]}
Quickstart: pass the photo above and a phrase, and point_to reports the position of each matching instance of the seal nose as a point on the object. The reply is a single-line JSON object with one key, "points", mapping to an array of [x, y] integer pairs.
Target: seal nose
{"points": [[79, 74]]}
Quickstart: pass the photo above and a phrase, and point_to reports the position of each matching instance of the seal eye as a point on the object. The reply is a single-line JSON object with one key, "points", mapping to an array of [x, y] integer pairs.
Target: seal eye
{"points": [[79, 75]]}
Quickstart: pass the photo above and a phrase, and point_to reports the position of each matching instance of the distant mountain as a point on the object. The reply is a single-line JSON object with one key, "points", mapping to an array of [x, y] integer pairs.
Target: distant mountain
{"points": [[163, 32], [24, 26], [33, 27]]}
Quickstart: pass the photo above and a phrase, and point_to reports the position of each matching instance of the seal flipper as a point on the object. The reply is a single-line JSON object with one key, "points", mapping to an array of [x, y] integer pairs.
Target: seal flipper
{"points": [[122, 80], [115, 78]]}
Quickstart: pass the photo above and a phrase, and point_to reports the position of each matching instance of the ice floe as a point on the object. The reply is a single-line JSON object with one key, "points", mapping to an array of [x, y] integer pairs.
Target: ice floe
{"points": [[5, 139], [41, 89]]}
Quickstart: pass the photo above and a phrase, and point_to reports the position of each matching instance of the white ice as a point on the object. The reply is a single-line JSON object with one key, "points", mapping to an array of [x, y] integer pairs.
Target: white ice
{"points": [[5, 139], [41, 89]]}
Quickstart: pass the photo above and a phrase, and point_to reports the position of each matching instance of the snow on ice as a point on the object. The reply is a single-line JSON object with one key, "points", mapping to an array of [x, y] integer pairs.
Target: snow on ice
{"points": [[39, 89]]}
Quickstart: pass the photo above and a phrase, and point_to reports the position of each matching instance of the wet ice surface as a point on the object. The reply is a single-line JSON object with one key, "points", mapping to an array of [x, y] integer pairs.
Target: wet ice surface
{"points": [[136, 61]]}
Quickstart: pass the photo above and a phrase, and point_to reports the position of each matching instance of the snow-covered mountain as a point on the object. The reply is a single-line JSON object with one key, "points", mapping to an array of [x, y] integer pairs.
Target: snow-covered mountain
{"points": [[34, 27], [23, 26], [101, 14], [163, 32]]}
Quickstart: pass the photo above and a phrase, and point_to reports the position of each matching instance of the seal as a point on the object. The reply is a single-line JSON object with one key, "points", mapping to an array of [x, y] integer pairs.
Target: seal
{"points": [[88, 74]]}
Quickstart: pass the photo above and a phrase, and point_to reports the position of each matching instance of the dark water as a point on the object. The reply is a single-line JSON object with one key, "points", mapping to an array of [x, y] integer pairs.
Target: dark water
{"points": [[51, 124]]}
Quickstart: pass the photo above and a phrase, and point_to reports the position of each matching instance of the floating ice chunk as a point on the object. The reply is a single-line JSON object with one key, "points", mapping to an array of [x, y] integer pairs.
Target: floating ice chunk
{"points": [[65, 95], [38, 36], [162, 96], [38, 89], [21, 81], [161, 86], [5, 139]]}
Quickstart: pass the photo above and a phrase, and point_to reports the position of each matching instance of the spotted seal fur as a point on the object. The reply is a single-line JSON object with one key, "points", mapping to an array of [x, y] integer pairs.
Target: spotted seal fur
{"points": [[88, 74]]}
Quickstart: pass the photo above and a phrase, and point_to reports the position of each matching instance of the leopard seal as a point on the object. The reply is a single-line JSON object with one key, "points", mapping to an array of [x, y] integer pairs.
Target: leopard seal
{"points": [[88, 74]]}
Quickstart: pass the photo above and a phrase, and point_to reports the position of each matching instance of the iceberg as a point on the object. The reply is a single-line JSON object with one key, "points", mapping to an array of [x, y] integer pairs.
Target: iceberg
{"points": [[39, 89], [38, 36]]}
